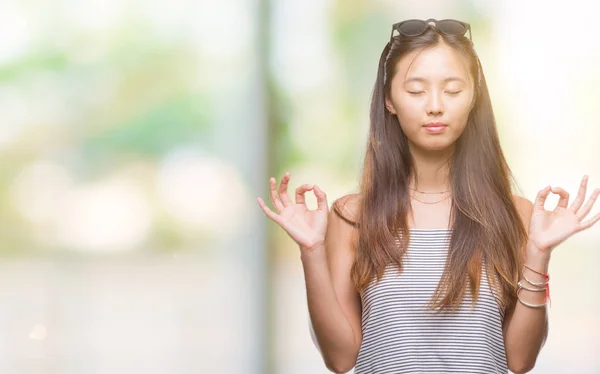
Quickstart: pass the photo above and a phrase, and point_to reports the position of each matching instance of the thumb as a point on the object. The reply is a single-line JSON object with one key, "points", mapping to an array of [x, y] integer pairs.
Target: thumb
{"points": [[321, 199]]}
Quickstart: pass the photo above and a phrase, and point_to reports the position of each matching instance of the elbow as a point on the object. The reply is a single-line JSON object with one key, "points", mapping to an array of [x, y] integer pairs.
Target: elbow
{"points": [[521, 367], [340, 367]]}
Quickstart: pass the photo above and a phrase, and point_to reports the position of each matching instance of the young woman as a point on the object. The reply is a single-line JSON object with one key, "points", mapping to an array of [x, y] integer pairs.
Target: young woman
{"points": [[434, 266]]}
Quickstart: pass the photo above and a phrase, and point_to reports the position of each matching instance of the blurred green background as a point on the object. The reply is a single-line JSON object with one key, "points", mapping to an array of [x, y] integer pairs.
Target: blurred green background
{"points": [[135, 137]]}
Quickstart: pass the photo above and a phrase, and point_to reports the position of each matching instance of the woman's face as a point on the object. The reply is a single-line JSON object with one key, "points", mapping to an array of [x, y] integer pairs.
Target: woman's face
{"points": [[431, 87]]}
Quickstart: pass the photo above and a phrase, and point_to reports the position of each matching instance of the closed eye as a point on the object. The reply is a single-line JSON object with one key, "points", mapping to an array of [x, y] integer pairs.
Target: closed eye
{"points": [[415, 92], [454, 93]]}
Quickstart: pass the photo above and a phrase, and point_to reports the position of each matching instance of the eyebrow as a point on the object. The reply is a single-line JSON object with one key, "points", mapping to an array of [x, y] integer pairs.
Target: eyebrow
{"points": [[448, 79]]}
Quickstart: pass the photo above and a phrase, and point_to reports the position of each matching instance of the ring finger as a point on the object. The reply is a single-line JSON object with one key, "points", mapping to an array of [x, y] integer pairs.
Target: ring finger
{"points": [[274, 196], [580, 195]]}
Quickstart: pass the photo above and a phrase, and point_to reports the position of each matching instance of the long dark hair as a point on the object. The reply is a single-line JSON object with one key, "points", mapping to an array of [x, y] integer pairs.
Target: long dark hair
{"points": [[487, 228]]}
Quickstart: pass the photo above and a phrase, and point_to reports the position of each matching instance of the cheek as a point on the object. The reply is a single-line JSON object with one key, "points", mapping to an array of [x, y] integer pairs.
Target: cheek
{"points": [[411, 111], [462, 109], [464, 102], [410, 121]]}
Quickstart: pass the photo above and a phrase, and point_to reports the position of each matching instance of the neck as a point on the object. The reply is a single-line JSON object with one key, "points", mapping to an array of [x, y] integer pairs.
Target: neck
{"points": [[431, 172]]}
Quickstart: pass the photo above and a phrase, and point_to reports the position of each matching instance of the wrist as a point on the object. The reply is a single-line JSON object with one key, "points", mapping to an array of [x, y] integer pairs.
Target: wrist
{"points": [[316, 250], [313, 246], [537, 259]]}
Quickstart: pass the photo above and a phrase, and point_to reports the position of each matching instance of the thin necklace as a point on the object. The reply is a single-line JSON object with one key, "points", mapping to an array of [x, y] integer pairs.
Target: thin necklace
{"points": [[414, 189], [428, 202]]}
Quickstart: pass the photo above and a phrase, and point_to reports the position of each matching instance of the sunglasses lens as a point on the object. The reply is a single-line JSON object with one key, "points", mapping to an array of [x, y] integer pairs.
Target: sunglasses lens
{"points": [[412, 28], [451, 27]]}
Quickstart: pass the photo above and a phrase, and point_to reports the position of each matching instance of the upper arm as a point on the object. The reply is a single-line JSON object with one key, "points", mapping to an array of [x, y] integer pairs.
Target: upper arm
{"points": [[525, 208], [340, 243]]}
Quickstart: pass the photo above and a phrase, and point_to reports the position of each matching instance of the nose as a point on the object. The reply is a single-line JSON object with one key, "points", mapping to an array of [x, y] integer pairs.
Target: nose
{"points": [[434, 104]]}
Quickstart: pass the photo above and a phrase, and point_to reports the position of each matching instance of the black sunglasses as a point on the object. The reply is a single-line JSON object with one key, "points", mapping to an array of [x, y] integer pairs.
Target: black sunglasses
{"points": [[415, 27]]}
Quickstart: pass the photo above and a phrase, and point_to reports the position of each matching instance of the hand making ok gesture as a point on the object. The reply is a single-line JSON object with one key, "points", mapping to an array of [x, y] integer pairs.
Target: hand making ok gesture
{"points": [[547, 229], [306, 227]]}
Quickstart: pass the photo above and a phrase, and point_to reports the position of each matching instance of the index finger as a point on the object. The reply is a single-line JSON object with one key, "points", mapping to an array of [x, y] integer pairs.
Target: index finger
{"points": [[540, 199], [300, 191], [563, 201]]}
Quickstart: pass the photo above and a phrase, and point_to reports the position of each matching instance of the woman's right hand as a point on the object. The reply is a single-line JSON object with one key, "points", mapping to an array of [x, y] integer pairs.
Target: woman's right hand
{"points": [[306, 227]]}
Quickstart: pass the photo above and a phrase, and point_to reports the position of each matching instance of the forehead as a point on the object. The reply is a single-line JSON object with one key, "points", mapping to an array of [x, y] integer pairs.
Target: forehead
{"points": [[433, 64]]}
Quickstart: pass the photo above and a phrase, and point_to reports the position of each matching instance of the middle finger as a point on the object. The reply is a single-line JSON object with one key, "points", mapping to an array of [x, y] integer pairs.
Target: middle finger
{"points": [[285, 198]]}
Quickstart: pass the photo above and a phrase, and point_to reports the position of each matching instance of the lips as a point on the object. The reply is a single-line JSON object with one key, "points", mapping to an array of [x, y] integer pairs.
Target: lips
{"points": [[435, 127], [436, 124]]}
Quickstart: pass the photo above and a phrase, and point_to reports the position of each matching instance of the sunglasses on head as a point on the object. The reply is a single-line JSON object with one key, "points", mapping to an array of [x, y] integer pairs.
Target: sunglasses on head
{"points": [[416, 27]]}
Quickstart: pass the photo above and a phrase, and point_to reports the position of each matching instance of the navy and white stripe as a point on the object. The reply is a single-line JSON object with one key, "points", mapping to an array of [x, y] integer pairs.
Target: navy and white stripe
{"points": [[401, 336]]}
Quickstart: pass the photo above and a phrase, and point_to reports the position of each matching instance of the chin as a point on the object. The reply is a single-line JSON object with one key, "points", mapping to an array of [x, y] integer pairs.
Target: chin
{"points": [[436, 146], [439, 149]]}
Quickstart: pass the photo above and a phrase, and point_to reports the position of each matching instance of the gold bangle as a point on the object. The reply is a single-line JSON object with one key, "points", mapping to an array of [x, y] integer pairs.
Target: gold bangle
{"points": [[528, 304]]}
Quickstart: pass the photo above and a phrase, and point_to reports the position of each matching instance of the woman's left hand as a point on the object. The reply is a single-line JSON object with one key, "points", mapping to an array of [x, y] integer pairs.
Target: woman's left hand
{"points": [[547, 229]]}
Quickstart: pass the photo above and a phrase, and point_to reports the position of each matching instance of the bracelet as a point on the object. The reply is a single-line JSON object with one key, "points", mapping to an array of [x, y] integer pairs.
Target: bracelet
{"points": [[520, 284], [545, 285], [535, 271], [528, 304], [538, 284]]}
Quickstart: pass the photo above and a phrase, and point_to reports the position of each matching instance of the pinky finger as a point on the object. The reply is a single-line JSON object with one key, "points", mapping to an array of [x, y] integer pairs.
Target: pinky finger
{"points": [[588, 206], [268, 212], [589, 223]]}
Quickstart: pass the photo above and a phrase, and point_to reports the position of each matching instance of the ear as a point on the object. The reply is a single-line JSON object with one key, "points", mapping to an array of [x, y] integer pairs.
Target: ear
{"points": [[473, 100], [389, 105]]}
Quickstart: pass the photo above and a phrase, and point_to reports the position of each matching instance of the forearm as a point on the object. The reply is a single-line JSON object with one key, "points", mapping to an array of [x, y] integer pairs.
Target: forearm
{"points": [[528, 327], [332, 329]]}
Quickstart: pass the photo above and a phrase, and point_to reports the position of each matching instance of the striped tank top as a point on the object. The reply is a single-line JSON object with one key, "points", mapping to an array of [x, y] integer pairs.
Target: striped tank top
{"points": [[401, 336]]}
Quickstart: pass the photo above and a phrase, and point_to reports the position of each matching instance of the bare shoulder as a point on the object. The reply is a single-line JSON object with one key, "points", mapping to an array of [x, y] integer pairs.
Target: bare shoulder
{"points": [[347, 208], [523, 203], [524, 207]]}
